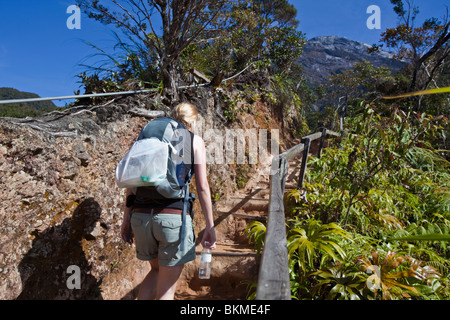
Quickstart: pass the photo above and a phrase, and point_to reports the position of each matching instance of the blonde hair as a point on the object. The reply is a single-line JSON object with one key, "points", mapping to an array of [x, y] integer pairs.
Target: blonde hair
{"points": [[186, 113]]}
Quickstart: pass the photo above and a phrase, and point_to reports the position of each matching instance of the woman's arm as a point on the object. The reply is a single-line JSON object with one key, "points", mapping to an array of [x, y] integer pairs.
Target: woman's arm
{"points": [[204, 192]]}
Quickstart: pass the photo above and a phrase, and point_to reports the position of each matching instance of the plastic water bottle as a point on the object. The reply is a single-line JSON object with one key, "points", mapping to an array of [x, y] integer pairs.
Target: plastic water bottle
{"points": [[205, 264]]}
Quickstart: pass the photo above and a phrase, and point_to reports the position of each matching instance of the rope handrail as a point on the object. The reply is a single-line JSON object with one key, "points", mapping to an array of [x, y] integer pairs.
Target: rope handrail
{"points": [[106, 94], [76, 96]]}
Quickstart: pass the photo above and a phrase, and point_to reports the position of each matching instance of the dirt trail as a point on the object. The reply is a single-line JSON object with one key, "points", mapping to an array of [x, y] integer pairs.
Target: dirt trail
{"points": [[235, 263]]}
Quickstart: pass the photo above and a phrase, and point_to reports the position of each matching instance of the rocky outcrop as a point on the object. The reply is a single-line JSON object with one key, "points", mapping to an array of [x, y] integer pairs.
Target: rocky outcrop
{"points": [[60, 207]]}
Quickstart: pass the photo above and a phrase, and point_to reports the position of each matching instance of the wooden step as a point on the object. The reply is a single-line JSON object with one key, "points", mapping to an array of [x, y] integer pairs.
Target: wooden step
{"points": [[250, 198], [230, 250], [255, 193], [259, 190], [243, 215], [289, 186], [244, 203]]}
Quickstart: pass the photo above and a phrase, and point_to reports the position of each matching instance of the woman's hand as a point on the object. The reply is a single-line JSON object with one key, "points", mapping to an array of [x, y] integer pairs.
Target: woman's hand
{"points": [[209, 239], [125, 231]]}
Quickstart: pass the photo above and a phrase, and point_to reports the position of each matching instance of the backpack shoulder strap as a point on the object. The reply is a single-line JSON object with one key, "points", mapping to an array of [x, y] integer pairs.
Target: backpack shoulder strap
{"points": [[187, 195]]}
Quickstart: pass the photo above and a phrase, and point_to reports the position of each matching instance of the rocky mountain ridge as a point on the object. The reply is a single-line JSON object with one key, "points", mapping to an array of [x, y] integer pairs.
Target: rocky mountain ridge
{"points": [[327, 55]]}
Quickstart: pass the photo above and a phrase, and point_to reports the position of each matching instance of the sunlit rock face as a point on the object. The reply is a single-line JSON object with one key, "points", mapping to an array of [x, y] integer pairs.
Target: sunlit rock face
{"points": [[60, 207]]}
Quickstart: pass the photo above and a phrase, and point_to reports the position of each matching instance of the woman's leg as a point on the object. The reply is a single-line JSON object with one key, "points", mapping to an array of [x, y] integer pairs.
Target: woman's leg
{"points": [[147, 290], [167, 282]]}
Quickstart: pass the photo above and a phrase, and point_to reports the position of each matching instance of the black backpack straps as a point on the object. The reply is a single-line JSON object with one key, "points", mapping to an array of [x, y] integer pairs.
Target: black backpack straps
{"points": [[191, 172], [183, 216], [192, 151], [187, 196]]}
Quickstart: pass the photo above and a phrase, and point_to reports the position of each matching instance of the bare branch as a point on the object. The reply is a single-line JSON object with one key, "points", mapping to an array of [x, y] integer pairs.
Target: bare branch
{"points": [[138, 23], [196, 34]]}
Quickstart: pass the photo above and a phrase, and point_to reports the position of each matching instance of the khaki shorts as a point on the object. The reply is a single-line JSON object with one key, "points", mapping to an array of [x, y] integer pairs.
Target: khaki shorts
{"points": [[158, 236]]}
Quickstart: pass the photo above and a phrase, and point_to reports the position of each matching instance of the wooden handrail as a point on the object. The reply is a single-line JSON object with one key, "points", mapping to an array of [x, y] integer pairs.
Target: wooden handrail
{"points": [[273, 278]]}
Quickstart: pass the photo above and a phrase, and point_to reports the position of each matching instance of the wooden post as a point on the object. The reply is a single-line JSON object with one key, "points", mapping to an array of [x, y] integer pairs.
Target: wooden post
{"points": [[322, 141], [283, 173], [306, 142], [273, 278]]}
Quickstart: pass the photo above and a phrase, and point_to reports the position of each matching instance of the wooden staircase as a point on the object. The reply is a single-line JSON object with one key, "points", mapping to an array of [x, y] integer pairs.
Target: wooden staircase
{"points": [[234, 261]]}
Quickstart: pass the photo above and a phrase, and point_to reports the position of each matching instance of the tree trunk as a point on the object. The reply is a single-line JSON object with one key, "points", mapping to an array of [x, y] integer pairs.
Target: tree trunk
{"points": [[170, 82]]}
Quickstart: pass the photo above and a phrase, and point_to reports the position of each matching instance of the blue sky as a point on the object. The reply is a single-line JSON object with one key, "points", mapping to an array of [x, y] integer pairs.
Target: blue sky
{"points": [[39, 54]]}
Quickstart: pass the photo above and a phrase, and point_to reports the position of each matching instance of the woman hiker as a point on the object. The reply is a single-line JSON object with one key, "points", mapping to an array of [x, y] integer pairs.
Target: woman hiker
{"points": [[157, 232]]}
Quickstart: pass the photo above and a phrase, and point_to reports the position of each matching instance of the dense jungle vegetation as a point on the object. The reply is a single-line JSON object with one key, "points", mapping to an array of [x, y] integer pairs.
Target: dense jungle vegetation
{"points": [[373, 219]]}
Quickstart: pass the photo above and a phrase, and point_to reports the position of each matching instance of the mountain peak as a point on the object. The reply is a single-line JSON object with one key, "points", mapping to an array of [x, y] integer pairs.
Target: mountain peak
{"points": [[328, 55]]}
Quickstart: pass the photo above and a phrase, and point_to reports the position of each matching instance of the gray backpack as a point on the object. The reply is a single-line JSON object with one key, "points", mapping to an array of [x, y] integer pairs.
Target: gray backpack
{"points": [[160, 164]]}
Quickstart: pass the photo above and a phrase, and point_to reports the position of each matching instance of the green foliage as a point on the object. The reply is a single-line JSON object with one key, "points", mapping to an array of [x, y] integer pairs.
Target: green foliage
{"points": [[373, 220], [308, 240], [364, 81], [426, 49], [254, 30], [339, 281], [125, 67], [213, 37], [397, 276], [22, 110], [242, 175], [256, 232]]}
